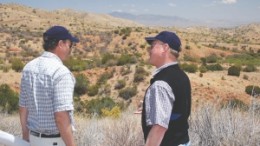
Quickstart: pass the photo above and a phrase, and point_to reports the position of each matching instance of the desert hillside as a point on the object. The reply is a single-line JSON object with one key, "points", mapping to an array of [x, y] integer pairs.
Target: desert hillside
{"points": [[106, 41]]}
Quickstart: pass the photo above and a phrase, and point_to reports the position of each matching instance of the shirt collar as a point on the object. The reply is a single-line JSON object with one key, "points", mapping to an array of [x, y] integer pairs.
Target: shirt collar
{"points": [[51, 55], [164, 66]]}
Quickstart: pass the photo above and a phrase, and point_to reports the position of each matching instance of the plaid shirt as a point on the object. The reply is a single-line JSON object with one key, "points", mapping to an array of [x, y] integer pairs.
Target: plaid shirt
{"points": [[46, 87], [159, 101]]}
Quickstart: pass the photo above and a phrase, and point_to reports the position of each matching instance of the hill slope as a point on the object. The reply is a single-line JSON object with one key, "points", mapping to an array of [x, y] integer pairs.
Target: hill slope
{"points": [[21, 34]]}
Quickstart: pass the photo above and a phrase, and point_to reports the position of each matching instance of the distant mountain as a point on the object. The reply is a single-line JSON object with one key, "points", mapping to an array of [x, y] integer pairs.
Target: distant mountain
{"points": [[165, 21], [20, 16], [153, 20]]}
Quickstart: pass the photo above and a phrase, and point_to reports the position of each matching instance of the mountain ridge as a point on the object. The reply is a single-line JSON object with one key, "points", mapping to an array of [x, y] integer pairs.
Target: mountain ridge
{"points": [[167, 21]]}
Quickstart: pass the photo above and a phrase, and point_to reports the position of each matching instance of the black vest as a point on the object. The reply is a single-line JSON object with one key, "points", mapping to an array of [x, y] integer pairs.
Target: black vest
{"points": [[177, 132]]}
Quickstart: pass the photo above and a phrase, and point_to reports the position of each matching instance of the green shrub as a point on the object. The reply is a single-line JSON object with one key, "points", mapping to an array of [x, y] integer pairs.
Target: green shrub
{"points": [[189, 58], [82, 84], [187, 47], [140, 74], [191, 68], [203, 69], [120, 84], [126, 59], [244, 59], [128, 92], [78, 104], [8, 99], [234, 71], [212, 58], [214, 67], [114, 112], [75, 64], [252, 90], [203, 61], [125, 31], [95, 106], [17, 64], [92, 90], [142, 46], [104, 77], [107, 58], [250, 68]]}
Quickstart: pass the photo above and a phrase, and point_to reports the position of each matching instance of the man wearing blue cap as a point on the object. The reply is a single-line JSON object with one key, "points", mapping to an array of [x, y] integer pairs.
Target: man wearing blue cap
{"points": [[167, 101], [46, 96]]}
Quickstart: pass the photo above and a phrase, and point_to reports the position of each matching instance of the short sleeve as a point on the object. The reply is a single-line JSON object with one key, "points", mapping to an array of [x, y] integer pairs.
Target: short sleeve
{"points": [[63, 93], [23, 95], [159, 103]]}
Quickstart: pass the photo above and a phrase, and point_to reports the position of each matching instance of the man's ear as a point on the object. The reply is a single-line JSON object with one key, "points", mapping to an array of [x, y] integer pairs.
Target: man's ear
{"points": [[60, 43], [167, 47]]}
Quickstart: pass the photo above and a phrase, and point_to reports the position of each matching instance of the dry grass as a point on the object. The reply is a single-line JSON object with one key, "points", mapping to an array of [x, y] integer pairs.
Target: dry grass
{"points": [[225, 127], [209, 126], [125, 131]]}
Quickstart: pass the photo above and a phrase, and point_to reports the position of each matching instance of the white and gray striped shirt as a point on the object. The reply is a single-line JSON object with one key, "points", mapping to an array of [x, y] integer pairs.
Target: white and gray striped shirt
{"points": [[159, 100], [46, 87]]}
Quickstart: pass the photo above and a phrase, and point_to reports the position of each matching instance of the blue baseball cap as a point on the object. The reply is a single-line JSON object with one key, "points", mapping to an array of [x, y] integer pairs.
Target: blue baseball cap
{"points": [[59, 33], [167, 37]]}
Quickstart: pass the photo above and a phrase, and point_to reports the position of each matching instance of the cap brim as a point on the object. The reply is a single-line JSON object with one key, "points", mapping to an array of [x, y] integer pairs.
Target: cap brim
{"points": [[74, 39], [150, 40]]}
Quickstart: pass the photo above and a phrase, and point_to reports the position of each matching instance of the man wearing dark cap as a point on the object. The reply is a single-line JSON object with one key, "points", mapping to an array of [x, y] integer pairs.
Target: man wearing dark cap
{"points": [[46, 96], [167, 101]]}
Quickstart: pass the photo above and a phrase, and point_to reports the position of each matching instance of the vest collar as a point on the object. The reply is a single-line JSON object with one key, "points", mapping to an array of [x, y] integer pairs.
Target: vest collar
{"points": [[162, 67]]}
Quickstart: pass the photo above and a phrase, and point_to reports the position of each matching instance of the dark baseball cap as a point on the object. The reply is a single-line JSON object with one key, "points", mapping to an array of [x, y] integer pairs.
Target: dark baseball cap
{"points": [[59, 33], [167, 37]]}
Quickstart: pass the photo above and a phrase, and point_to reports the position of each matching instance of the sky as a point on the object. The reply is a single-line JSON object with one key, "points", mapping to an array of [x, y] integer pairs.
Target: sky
{"points": [[229, 10]]}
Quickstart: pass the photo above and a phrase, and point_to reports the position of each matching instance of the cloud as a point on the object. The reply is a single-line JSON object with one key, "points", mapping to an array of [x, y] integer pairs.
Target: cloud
{"points": [[172, 5], [229, 1]]}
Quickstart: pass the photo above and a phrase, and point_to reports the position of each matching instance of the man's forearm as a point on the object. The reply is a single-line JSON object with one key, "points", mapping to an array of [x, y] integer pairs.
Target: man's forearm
{"points": [[23, 120], [155, 135], [64, 125]]}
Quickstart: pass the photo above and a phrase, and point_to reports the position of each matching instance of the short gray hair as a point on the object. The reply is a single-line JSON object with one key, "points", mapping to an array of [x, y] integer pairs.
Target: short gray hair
{"points": [[175, 53]]}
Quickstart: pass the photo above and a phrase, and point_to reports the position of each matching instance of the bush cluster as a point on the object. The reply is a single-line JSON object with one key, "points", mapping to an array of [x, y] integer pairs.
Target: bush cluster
{"points": [[252, 90], [8, 99], [82, 84], [75, 64], [92, 90], [17, 64], [104, 77], [108, 59], [128, 92], [99, 107], [114, 112], [214, 67], [120, 84], [126, 59], [250, 68], [191, 68], [234, 71], [140, 74]]}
